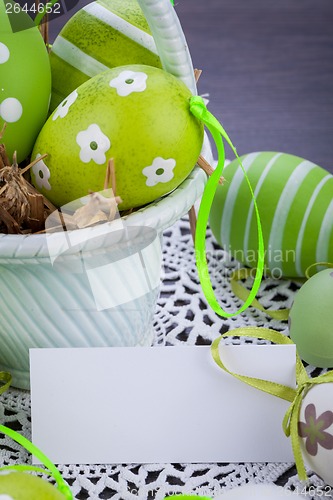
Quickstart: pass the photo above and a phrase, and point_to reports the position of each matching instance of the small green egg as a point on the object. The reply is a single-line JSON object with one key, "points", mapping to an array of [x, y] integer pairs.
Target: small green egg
{"points": [[24, 486], [311, 320]]}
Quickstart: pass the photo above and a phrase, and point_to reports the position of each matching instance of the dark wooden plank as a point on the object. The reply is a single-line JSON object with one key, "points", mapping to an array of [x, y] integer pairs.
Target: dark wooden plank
{"points": [[268, 67]]}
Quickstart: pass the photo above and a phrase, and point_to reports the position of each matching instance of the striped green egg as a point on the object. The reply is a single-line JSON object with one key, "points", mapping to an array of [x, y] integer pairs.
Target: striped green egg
{"points": [[102, 35], [295, 201]]}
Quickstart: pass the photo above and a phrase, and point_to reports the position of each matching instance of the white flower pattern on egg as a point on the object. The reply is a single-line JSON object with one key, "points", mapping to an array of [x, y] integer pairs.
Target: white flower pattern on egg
{"points": [[4, 53], [94, 144], [161, 170], [42, 175], [128, 82], [64, 106], [11, 110]]}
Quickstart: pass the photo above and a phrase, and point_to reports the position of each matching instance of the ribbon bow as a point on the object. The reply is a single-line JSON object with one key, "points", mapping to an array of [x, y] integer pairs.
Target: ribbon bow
{"points": [[291, 418], [294, 396]]}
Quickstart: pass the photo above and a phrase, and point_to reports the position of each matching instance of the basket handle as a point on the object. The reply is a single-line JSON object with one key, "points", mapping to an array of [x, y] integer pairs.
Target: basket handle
{"points": [[170, 40]]}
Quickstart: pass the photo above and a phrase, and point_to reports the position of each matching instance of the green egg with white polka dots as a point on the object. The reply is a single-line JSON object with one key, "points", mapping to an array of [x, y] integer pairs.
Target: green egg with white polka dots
{"points": [[23, 486], [137, 115], [25, 81]]}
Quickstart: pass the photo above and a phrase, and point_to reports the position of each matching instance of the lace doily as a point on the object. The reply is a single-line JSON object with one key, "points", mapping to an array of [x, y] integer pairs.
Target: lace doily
{"points": [[182, 317]]}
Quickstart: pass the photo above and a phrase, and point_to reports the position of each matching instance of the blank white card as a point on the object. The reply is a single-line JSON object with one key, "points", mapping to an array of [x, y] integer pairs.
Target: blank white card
{"points": [[159, 405]]}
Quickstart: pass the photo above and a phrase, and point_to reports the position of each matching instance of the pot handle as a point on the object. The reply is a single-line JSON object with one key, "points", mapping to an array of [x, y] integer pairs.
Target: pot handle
{"points": [[170, 40]]}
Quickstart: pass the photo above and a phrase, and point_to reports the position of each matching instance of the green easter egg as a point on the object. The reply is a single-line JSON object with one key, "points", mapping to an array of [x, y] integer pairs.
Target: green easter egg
{"points": [[311, 320], [25, 82], [23, 486], [315, 430], [295, 201], [137, 115], [102, 35], [186, 497]]}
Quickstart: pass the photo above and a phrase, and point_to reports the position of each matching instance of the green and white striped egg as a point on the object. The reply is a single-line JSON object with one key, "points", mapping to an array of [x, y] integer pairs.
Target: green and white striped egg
{"points": [[295, 201], [102, 35]]}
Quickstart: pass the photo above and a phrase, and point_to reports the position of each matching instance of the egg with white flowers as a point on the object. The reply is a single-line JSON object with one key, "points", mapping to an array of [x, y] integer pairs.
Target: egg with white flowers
{"points": [[25, 83], [295, 202], [16, 485], [137, 115], [315, 429], [102, 35]]}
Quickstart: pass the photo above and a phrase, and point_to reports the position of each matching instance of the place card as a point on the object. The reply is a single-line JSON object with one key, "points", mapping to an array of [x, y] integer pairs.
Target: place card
{"points": [[159, 404]]}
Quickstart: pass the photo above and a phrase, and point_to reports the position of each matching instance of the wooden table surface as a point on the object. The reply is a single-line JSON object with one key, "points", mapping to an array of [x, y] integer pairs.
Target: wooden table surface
{"points": [[268, 67]]}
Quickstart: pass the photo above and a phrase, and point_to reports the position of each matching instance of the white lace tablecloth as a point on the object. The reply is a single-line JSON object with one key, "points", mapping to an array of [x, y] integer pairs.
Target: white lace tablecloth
{"points": [[182, 317]]}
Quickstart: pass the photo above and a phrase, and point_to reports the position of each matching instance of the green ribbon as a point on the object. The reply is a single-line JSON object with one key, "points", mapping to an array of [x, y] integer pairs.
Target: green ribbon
{"points": [[242, 293], [63, 487], [308, 272], [199, 110], [5, 380], [294, 396], [40, 16], [51, 468]]}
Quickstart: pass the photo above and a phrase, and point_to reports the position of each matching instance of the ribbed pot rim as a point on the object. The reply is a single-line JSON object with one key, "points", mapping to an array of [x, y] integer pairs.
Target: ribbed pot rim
{"points": [[158, 215]]}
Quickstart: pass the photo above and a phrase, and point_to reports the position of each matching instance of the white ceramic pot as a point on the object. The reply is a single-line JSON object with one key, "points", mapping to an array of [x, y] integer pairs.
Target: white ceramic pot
{"points": [[44, 306], [48, 302]]}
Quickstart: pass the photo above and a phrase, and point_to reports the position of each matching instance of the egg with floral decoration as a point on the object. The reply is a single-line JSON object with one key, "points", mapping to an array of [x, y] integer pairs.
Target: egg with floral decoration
{"points": [[25, 83], [311, 320], [315, 430], [102, 35], [137, 115], [15, 485]]}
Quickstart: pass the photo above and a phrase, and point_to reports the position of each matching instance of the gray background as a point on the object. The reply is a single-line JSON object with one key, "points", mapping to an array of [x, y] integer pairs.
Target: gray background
{"points": [[268, 66]]}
